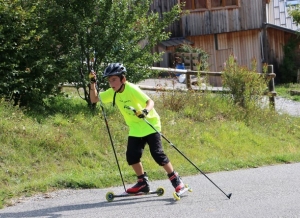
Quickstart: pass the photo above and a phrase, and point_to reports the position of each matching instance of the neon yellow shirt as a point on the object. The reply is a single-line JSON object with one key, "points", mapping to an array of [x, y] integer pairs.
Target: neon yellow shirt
{"points": [[134, 97]]}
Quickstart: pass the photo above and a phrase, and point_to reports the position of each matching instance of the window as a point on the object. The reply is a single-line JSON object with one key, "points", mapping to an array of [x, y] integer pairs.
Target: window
{"points": [[200, 3], [230, 2], [208, 4], [195, 4], [223, 3], [216, 3]]}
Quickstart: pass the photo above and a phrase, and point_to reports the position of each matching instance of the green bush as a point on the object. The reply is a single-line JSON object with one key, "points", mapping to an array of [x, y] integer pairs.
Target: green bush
{"points": [[288, 68], [246, 86]]}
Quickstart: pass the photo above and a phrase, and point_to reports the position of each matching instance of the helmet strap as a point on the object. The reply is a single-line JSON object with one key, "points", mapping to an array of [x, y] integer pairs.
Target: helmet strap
{"points": [[114, 100]]}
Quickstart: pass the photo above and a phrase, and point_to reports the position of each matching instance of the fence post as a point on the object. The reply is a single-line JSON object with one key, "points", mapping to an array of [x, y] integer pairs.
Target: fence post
{"points": [[272, 92], [188, 80]]}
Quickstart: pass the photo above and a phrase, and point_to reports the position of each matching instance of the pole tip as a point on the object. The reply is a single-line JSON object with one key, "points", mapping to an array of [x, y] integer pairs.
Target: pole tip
{"points": [[229, 196]]}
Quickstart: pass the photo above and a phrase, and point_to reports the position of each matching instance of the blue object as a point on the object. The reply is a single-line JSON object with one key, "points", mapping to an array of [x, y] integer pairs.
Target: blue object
{"points": [[179, 66]]}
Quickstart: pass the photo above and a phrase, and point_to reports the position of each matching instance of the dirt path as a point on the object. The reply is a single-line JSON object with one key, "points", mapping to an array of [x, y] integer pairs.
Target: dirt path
{"points": [[282, 105]]}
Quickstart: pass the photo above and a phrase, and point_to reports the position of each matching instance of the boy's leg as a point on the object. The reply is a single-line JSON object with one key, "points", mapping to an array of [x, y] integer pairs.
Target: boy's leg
{"points": [[174, 177], [138, 168], [142, 185], [168, 168], [157, 152], [176, 181], [134, 152]]}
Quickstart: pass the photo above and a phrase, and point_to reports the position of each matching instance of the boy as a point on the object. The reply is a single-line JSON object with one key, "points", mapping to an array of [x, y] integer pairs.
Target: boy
{"points": [[125, 94]]}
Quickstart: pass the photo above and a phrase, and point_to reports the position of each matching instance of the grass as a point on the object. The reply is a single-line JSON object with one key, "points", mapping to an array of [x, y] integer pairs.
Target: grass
{"points": [[284, 90], [67, 145]]}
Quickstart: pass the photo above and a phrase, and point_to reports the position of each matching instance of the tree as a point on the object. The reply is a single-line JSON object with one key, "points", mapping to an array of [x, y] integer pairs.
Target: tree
{"points": [[288, 67], [294, 12], [47, 42]]}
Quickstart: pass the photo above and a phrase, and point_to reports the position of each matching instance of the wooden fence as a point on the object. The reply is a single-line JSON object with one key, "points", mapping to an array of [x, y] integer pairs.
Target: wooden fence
{"points": [[215, 80]]}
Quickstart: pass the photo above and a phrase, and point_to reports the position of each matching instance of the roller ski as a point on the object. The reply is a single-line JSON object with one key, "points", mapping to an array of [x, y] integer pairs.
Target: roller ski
{"points": [[177, 183], [110, 196], [140, 188], [178, 194]]}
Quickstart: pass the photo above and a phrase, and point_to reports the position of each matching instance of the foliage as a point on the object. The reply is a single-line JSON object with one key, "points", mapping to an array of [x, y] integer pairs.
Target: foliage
{"points": [[47, 42], [246, 86], [294, 12], [203, 63], [284, 90], [29, 66], [288, 67]]}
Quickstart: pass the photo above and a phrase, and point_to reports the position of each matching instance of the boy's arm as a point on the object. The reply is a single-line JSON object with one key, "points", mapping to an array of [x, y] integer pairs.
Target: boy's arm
{"points": [[93, 90], [149, 105]]}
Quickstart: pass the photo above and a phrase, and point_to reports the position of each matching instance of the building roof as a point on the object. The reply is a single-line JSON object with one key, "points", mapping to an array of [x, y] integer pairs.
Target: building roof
{"points": [[269, 25]]}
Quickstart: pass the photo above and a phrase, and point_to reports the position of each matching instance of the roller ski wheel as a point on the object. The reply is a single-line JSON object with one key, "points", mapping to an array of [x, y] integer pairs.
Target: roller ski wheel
{"points": [[177, 195], [110, 196], [160, 191]]}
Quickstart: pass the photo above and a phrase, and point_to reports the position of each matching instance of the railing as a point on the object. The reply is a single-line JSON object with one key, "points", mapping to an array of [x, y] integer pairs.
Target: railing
{"points": [[190, 73], [270, 75]]}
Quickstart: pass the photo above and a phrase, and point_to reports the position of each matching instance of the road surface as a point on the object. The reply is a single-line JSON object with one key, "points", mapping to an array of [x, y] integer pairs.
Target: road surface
{"points": [[271, 191]]}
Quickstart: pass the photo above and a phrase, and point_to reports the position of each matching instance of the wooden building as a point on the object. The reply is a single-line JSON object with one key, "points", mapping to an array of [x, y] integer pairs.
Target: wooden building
{"points": [[248, 29]]}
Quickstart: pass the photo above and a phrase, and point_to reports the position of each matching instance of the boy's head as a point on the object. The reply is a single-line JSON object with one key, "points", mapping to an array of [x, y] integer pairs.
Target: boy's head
{"points": [[115, 73], [178, 60], [114, 69]]}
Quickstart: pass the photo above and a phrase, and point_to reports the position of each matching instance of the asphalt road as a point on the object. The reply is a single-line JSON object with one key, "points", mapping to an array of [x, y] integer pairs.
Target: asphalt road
{"points": [[271, 191]]}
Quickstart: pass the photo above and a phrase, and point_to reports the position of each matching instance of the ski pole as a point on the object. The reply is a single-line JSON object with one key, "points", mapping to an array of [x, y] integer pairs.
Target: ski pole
{"points": [[133, 109], [108, 130]]}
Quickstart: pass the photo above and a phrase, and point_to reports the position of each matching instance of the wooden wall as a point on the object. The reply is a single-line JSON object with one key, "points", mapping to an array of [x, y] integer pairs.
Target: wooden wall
{"points": [[245, 45], [246, 17], [276, 40], [236, 31], [161, 6], [249, 15]]}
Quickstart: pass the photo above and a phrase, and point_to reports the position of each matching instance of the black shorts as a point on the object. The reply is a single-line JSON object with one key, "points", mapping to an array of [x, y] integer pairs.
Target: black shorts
{"points": [[136, 145]]}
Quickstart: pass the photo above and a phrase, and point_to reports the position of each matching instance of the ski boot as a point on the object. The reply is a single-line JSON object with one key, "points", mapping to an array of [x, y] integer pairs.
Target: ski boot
{"points": [[177, 183], [142, 185]]}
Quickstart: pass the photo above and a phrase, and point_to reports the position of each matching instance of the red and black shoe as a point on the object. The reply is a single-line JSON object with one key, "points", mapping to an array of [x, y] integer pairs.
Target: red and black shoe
{"points": [[142, 185], [176, 181]]}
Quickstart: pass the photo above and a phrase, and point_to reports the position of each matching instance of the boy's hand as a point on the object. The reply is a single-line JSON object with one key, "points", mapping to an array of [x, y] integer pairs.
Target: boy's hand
{"points": [[92, 76], [142, 114]]}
